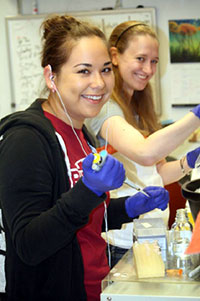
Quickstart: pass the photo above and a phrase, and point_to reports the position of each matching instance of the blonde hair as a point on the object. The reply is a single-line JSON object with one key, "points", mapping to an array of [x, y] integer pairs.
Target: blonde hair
{"points": [[140, 112]]}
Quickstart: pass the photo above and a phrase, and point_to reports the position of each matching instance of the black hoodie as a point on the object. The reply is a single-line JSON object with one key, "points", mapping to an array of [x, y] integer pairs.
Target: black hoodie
{"points": [[41, 214]]}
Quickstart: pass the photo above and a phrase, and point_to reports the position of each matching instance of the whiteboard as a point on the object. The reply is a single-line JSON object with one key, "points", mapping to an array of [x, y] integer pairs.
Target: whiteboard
{"points": [[24, 46]]}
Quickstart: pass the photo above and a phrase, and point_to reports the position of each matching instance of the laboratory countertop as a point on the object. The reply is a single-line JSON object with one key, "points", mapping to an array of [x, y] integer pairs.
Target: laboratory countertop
{"points": [[122, 284]]}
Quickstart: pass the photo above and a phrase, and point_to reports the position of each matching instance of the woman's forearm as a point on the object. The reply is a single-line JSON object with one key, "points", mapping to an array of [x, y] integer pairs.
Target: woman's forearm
{"points": [[148, 151], [164, 141], [173, 171]]}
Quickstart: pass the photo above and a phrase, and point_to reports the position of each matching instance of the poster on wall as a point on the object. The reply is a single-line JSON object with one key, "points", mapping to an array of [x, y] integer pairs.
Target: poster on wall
{"points": [[184, 40], [184, 50]]}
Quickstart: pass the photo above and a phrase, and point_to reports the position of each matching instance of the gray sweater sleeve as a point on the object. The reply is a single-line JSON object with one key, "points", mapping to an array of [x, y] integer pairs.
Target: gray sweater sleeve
{"points": [[111, 108]]}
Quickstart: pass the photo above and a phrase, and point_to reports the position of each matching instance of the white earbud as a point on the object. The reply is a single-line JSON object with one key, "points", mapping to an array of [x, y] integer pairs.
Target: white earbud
{"points": [[53, 86]]}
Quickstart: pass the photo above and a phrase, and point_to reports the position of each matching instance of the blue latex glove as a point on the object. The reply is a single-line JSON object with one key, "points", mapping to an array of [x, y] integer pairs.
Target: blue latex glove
{"points": [[192, 157], [196, 111], [109, 177], [140, 203]]}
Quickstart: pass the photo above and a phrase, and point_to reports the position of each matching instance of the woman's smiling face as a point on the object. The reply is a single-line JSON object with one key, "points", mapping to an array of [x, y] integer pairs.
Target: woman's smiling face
{"points": [[137, 64], [86, 80]]}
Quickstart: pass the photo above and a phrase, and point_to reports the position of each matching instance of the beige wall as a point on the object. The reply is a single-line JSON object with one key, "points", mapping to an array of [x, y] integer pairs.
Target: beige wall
{"points": [[165, 10]]}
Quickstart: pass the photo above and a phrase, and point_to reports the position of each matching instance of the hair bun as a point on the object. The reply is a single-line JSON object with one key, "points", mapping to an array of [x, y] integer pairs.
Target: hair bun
{"points": [[57, 22]]}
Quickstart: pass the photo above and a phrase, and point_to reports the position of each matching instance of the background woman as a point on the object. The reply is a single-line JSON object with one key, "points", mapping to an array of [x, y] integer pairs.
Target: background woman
{"points": [[128, 122]]}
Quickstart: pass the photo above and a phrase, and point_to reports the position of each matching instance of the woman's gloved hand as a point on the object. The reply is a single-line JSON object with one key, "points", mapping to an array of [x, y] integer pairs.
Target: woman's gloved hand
{"points": [[196, 111], [192, 157], [109, 177], [139, 203]]}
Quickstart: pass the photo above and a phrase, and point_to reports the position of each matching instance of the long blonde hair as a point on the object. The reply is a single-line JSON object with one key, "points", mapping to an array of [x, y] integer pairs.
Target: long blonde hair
{"points": [[140, 112]]}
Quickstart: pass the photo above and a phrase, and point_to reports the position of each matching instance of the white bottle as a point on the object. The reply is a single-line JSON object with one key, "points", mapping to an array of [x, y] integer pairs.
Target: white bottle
{"points": [[181, 232]]}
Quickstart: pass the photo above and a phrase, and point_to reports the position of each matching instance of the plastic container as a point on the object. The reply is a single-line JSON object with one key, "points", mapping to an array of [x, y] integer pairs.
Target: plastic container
{"points": [[189, 192]]}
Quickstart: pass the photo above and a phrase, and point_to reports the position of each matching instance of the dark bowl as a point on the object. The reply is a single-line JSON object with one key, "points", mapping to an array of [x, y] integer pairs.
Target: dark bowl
{"points": [[189, 192]]}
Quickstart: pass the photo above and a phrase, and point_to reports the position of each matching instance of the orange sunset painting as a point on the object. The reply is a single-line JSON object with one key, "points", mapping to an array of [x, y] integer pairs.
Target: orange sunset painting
{"points": [[184, 39]]}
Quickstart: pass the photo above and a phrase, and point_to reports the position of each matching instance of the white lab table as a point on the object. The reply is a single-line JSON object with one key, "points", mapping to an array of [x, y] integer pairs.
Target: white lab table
{"points": [[122, 284]]}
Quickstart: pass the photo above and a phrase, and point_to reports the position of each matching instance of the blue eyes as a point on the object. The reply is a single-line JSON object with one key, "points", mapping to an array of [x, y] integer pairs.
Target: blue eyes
{"points": [[142, 59]]}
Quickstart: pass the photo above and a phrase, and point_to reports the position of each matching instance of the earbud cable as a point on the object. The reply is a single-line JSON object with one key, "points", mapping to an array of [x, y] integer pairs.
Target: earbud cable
{"points": [[105, 206], [106, 145], [72, 126]]}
